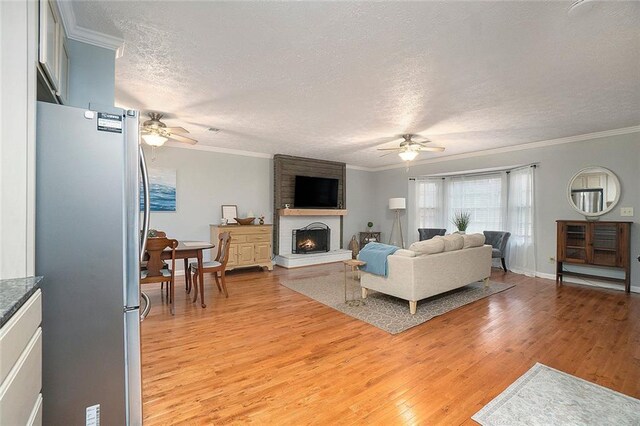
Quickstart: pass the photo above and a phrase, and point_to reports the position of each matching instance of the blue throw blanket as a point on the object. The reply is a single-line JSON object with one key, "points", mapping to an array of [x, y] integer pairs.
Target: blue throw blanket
{"points": [[375, 254]]}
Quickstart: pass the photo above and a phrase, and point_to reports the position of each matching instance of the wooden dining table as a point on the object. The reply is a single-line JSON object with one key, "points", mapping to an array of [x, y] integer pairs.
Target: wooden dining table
{"points": [[190, 250]]}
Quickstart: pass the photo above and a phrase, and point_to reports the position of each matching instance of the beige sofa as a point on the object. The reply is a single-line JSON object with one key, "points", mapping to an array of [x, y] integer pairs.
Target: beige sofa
{"points": [[415, 276]]}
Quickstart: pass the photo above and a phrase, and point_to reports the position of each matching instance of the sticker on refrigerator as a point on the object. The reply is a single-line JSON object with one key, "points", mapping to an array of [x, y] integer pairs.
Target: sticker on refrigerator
{"points": [[109, 122], [93, 415]]}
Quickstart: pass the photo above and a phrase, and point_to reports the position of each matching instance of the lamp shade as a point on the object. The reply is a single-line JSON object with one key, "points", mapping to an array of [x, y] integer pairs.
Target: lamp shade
{"points": [[397, 204]]}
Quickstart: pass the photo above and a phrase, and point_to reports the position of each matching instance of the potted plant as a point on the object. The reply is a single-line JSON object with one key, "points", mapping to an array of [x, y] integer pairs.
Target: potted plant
{"points": [[461, 221], [369, 226]]}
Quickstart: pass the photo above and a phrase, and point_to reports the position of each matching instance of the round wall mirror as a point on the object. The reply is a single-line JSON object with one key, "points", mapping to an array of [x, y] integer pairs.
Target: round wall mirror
{"points": [[594, 191]]}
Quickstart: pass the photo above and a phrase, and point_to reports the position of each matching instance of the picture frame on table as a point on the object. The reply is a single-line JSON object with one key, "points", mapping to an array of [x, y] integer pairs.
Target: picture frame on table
{"points": [[230, 212]]}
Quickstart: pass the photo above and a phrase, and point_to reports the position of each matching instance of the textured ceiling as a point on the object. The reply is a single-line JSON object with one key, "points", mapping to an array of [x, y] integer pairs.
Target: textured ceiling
{"points": [[332, 80]]}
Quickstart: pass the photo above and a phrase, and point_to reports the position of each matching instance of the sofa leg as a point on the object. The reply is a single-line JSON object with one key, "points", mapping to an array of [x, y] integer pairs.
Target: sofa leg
{"points": [[364, 293], [413, 305], [486, 282], [504, 266]]}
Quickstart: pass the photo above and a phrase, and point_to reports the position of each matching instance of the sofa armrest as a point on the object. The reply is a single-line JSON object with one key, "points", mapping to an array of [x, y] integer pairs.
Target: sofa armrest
{"points": [[405, 253]]}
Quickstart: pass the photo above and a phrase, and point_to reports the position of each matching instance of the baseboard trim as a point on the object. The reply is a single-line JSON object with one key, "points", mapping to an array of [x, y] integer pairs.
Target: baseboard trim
{"points": [[591, 283]]}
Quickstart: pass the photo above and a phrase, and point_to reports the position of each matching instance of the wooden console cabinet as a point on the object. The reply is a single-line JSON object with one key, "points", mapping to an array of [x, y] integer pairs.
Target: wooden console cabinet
{"points": [[250, 245], [599, 244], [368, 237]]}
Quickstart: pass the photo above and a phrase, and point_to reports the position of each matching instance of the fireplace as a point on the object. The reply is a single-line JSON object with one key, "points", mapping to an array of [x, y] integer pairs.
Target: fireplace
{"points": [[313, 238]]}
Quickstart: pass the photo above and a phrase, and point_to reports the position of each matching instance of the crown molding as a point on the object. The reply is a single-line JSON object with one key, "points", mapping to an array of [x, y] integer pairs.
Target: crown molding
{"points": [[513, 148], [219, 150], [493, 151], [364, 169], [86, 35]]}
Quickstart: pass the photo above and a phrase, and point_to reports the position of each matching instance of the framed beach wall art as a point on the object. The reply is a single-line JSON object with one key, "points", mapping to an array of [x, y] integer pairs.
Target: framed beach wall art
{"points": [[162, 190]]}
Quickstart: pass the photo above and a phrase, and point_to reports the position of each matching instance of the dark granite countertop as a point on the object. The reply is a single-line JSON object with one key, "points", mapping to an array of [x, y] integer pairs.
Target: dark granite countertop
{"points": [[13, 293]]}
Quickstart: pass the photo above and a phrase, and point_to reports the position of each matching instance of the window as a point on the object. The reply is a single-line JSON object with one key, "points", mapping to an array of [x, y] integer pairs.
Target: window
{"points": [[438, 200], [482, 196], [497, 201], [429, 202]]}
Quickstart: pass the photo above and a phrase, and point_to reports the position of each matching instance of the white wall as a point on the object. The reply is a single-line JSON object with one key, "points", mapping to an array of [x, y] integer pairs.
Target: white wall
{"points": [[557, 164], [360, 204], [18, 45], [91, 75], [206, 180]]}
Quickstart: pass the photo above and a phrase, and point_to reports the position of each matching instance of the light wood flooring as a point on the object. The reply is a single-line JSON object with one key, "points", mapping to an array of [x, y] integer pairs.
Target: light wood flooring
{"points": [[268, 355]]}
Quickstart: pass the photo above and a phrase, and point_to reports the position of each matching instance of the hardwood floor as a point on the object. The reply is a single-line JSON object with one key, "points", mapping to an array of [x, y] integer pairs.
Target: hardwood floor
{"points": [[269, 355]]}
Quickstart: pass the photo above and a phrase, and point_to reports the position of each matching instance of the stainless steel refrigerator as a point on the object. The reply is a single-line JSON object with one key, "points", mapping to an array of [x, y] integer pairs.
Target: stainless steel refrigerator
{"points": [[588, 200], [88, 248]]}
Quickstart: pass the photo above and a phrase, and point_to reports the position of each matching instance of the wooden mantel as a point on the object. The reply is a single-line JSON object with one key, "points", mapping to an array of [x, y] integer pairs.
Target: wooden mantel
{"points": [[312, 212]]}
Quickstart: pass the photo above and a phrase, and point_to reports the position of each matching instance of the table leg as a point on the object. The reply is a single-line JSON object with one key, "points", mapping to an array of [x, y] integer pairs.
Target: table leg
{"points": [[187, 276], [345, 283], [201, 278]]}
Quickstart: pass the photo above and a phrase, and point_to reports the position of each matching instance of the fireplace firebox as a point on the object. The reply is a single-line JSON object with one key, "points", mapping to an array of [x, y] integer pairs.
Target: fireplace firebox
{"points": [[313, 238]]}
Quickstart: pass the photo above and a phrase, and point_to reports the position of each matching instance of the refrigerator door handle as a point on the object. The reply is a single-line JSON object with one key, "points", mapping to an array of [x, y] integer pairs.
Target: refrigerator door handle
{"points": [[147, 207], [147, 306]]}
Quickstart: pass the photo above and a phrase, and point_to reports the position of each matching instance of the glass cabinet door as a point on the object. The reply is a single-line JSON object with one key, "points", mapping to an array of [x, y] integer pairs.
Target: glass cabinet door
{"points": [[604, 244], [576, 242]]}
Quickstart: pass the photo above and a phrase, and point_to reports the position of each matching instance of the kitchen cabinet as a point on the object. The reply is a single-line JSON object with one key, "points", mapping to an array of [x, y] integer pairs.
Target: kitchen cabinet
{"points": [[21, 365], [600, 244], [53, 53], [250, 245]]}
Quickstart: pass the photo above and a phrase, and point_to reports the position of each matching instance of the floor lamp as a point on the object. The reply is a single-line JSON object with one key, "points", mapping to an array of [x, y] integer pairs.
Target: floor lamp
{"points": [[397, 204]]}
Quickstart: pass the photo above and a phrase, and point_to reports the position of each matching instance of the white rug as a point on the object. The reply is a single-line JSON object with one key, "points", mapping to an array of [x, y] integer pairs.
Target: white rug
{"points": [[545, 396]]}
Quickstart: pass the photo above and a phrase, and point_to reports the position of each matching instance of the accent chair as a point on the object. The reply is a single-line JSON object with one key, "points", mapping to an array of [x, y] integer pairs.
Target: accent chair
{"points": [[498, 240], [428, 233]]}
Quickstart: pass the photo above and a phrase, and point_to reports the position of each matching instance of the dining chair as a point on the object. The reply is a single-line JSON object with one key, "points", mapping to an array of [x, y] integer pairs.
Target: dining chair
{"points": [[155, 233], [155, 271], [214, 266]]}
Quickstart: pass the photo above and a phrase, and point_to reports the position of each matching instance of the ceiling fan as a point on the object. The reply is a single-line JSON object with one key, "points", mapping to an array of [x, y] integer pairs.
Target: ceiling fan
{"points": [[156, 133], [409, 149]]}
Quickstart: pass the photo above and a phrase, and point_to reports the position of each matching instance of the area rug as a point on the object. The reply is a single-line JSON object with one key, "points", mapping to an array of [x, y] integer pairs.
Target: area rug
{"points": [[545, 396], [387, 312]]}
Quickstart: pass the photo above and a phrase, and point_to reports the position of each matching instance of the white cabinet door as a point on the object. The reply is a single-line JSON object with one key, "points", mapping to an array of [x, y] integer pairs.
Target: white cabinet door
{"points": [[50, 37]]}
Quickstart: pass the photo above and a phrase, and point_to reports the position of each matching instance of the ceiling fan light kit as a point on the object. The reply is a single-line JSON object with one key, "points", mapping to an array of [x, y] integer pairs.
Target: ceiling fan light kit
{"points": [[156, 133], [409, 149], [408, 155], [153, 139]]}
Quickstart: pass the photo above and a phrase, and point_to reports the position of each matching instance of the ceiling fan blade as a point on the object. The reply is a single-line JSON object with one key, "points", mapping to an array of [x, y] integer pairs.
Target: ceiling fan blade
{"points": [[183, 139], [431, 148], [421, 143], [389, 149], [176, 129], [388, 153]]}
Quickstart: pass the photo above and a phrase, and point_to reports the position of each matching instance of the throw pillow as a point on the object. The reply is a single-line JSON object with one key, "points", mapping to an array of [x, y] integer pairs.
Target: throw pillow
{"points": [[473, 240], [451, 242], [405, 253], [431, 246]]}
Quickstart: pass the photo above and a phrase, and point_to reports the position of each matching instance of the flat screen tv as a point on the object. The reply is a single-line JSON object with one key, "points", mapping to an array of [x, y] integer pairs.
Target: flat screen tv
{"points": [[316, 192]]}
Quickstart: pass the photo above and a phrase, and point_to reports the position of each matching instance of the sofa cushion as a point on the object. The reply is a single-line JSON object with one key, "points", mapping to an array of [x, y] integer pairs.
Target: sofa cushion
{"points": [[432, 246], [473, 240], [405, 253], [451, 242]]}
